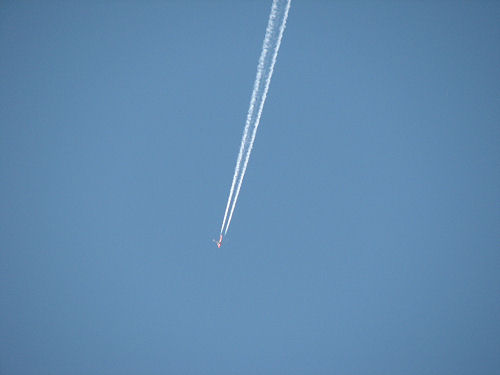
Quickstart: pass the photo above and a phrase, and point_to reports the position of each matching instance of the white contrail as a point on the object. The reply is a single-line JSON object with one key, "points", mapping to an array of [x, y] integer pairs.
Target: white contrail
{"points": [[256, 86], [262, 68]]}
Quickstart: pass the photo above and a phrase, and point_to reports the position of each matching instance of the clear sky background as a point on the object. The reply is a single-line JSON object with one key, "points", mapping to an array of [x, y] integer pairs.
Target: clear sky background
{"points": [[366, 238]]}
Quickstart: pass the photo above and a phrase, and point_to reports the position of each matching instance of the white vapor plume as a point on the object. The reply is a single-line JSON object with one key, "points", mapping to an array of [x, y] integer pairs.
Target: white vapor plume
{"points": [[253, 99], [265, 68]]}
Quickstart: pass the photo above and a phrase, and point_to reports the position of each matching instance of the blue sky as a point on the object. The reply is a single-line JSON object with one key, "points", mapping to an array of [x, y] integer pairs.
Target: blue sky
{"points": [[365, 240]]}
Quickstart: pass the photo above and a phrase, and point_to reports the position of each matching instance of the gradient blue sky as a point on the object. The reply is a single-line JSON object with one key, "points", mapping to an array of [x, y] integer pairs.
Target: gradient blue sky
{"points": [[366, 238]]}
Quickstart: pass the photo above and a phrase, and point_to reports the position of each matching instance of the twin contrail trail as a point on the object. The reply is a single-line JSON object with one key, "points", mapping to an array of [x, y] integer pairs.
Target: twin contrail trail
{"points": [[265, 68]]}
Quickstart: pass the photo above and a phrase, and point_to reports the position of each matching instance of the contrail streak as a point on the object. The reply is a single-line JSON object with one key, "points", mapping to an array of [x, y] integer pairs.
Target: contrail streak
{"points": [[256, 86], [261, 107], [264, 68]]}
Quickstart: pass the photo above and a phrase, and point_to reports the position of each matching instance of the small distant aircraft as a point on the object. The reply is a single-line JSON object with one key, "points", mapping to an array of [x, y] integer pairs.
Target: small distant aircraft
{"points": [[218, 242]]}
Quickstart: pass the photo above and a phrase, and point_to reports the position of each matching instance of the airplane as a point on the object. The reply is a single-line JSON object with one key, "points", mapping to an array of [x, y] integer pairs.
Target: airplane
{"points": [[218, 242]]}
